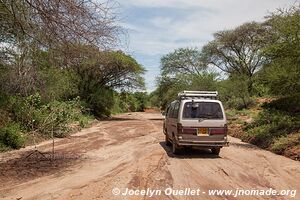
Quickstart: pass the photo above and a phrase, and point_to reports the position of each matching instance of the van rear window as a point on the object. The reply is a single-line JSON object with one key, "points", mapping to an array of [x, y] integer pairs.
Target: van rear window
{"points": [[206, 110]]}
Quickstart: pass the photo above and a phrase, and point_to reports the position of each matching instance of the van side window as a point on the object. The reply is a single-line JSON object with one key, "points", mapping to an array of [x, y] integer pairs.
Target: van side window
{"points": [[167, 110], [170, 110], [176, 110]]}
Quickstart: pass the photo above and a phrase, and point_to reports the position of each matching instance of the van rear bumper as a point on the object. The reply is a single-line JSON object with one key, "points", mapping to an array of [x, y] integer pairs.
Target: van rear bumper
{"points": [[203, 143]]}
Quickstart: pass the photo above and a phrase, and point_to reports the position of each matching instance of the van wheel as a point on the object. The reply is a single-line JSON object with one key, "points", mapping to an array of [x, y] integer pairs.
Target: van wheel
{"points": [[175, 148], [167, 141], [216, 150]]}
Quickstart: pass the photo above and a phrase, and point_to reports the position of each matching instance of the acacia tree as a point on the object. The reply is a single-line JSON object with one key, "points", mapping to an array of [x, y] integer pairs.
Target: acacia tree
{"points": [[183, 69], [110, 69], [237, 51], [55, 21], [182, 60], [101, 73], [56, 27], [282, 73]]}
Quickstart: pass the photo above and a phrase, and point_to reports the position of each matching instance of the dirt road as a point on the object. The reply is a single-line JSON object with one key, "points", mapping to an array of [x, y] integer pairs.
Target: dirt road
{"points": [[128, 152]]}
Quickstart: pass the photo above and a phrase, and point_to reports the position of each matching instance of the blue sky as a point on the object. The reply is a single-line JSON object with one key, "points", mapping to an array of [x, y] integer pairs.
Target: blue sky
{"points": [[157, 27]]}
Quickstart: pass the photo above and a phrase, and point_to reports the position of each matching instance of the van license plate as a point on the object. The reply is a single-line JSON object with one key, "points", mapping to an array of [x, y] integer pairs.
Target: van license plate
{"points": [[202, 132]]}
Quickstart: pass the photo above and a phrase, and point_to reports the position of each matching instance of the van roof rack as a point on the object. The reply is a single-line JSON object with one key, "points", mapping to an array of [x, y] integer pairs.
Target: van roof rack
{"points": [[198, 95]]}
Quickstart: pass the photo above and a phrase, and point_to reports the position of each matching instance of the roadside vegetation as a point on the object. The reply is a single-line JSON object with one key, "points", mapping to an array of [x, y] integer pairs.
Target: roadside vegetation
{"points": [[59, 69], [256, 69]]}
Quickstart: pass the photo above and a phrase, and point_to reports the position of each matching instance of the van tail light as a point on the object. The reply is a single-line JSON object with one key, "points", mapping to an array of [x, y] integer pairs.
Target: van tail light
{"points": [[179, 128], [218, 131], [189, 131]]}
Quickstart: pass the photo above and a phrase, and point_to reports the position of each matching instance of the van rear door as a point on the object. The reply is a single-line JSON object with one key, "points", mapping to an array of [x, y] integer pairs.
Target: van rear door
{"points": [[203, 118]]}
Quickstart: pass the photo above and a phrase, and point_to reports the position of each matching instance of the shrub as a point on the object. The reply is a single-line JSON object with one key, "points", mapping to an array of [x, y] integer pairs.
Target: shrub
{"points": [[12, 136], [282, 120], [119, 105], [58, 84], [23, 109], [101, 101], [4, 117], [84, 120], [285, 142], [240, 103], [3, 99], [260, 136], [142, 100], [33, 114], [236, 92], [132, 103], [287, 104], [3, 147], [56, 115], [269, 126]]}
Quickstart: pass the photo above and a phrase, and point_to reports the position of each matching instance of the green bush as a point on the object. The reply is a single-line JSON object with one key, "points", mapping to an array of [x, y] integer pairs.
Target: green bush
{"points": [[240, 103], [11, 136], [132, 103], [3, 99], [56, 115], [235, 92], [142, 100], [3, 147], [101, 101], [269, 126], [32, 114], [84, 120], [58, 84], [4, 117], [118, 105], [129, 102], [23, 109], [289, 104], [260, 136], [281, 120], [285, 142], [264, 135]]}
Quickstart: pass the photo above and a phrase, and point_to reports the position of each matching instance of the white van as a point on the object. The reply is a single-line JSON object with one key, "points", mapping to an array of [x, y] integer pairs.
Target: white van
{"points": [[196, 118]]}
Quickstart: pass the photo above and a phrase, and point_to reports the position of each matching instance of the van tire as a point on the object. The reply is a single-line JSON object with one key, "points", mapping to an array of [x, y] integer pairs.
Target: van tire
{"points": [[216, 150], [175, 148], [167, 141]]}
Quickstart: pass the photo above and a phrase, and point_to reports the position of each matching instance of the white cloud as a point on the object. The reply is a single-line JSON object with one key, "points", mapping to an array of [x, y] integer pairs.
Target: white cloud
{"points": [[213, 4], [161, 22], [163, 33]]}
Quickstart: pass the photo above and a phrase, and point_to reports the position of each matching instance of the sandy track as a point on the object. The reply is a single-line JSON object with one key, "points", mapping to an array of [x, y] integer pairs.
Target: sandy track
{"points": [[128, 152]]}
